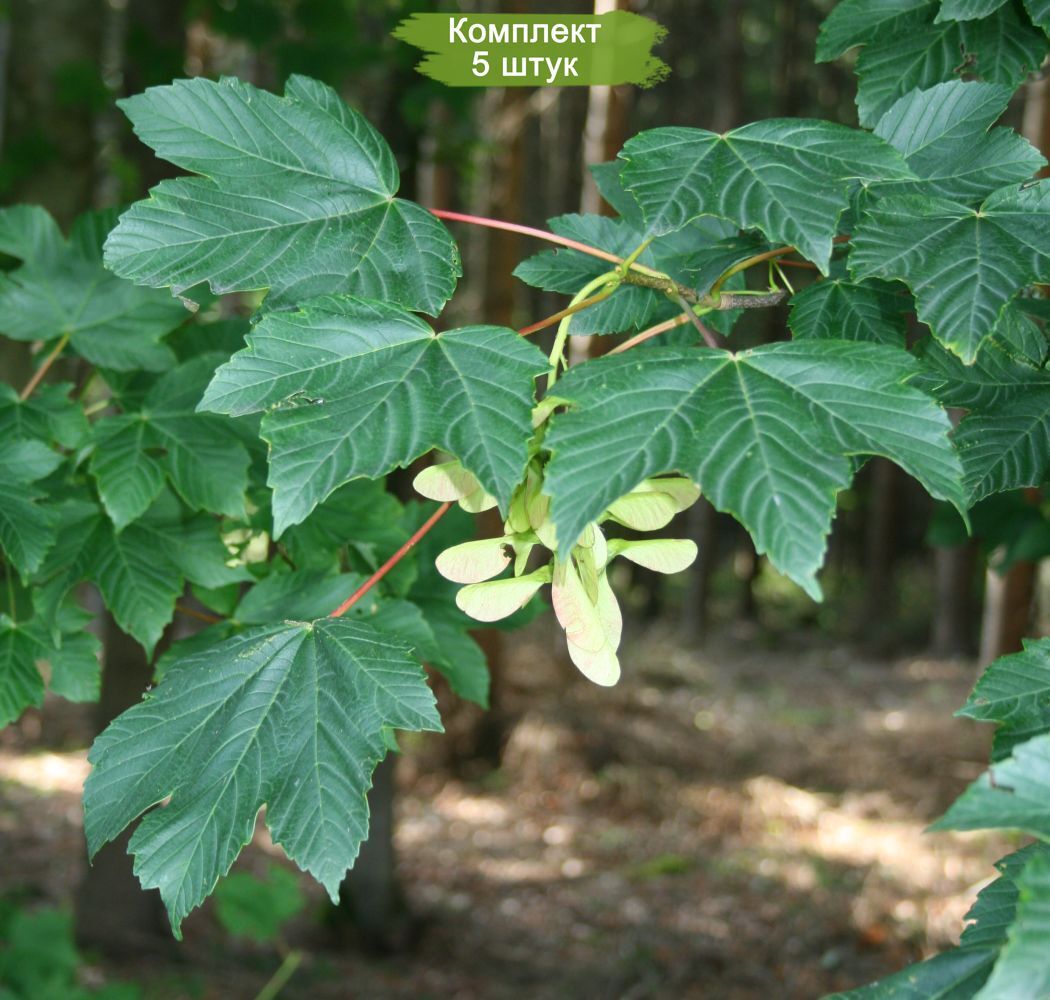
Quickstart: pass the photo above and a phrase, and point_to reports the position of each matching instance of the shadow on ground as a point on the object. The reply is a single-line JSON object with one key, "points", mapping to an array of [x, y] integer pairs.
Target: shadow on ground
{"points": [[729, 822]]}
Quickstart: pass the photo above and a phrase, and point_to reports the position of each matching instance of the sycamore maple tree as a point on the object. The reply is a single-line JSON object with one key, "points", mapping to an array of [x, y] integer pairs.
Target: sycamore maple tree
{"points": [[244, 458]]}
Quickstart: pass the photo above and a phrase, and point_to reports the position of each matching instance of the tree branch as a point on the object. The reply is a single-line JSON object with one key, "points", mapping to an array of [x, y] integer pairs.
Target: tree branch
{"points": [[44, 368], [391, 562]]}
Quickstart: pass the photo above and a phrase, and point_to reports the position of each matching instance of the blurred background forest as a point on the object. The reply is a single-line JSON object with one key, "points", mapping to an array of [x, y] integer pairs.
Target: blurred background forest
{"points": [[742, 817]]}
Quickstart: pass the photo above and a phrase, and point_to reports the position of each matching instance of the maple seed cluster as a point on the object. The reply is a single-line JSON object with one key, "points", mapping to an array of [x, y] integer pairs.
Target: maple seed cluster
{"points": [[583, 599]]}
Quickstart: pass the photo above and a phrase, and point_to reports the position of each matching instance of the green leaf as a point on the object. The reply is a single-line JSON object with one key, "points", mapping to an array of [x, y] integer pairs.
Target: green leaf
{"points": [[1001, 48], [48, 415], [26, 526], [258, 908], [71, 650], [1020, 335], [1039, 12], [858, 22], [957, 974], [63, 289], [441, 643], [361, 516], [992, 913], [839, 309], [1013, 793], [963, 264], [291, 716], [1014, 688], [192, 543], [944, 135], [1023, 970], [129, 478], [355, 388], [631, 308], [1004, 441], [1015, 692], [141, 570], [139, 584], [766, 434], [76, 673], [296, 195], [788, 178], [21, 684], [953, 975], [68, 648], [28, 233], [967, 10], [300, 595], [167, 439], [39, 958]]}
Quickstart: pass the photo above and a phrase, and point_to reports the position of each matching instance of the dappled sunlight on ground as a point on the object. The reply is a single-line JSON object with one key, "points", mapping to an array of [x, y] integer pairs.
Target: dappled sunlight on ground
{"points": [[732, 822], [46, 772]]}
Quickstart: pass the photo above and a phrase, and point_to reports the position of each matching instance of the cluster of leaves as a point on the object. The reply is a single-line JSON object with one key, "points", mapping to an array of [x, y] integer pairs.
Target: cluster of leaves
{"points": [[148, 475], [118, 480]]}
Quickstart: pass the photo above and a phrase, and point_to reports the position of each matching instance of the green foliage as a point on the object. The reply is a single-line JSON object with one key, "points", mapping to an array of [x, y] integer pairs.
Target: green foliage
{"points": [[633, 417], [751, 177], [70, 651], [1004, 439], [387, 390], [141, 570], [39, 960], [292, 715], [188, 465], [167, 440], [685, 255], [909, 46], [1012, 795], [1014, 692], [840, 309], [964, 265], [62, 290], [946, 137], [960, 973], [26, 527], [257, 908], [1022, 969], [296, 195]]}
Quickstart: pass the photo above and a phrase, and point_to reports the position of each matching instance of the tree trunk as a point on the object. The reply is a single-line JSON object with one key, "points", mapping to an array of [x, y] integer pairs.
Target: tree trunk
{"points": [[52, 82], [605, 127], [880, 544], [728, 85], [748, 567], [371, 895], [113, 913], [701, 520], [1007, 610], [952, 633]]}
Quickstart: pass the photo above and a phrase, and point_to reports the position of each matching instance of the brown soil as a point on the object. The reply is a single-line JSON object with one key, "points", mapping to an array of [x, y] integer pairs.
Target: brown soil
{"points": [[732, 822]]}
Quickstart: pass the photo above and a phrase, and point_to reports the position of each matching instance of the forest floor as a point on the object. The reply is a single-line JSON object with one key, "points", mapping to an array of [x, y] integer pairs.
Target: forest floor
{"points": [[743, 820]]}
